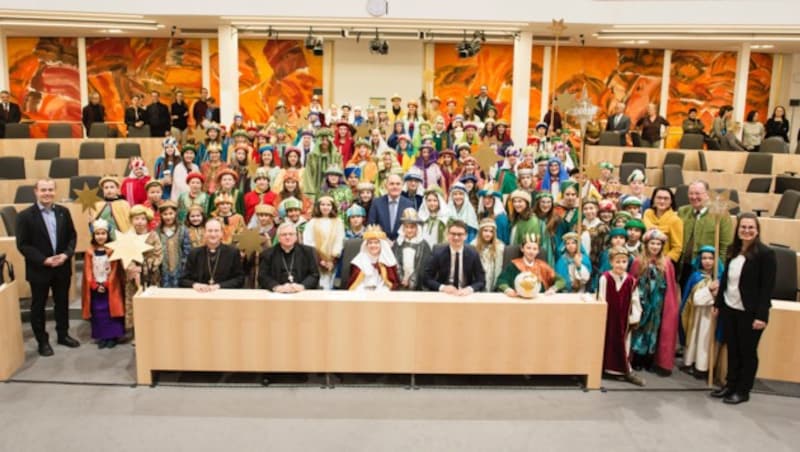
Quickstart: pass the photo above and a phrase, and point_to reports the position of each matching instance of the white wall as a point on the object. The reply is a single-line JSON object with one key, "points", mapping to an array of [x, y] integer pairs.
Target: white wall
{"points": [[794, 93], [359, 75]]}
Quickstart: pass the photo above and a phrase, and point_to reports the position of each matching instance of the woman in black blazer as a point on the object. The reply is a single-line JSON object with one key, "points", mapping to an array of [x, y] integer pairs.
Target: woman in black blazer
{"points": [[742, 301]]}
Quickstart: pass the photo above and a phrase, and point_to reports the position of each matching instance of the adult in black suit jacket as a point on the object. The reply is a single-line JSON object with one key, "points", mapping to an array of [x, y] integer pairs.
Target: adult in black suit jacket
{"points": [[135, 115], [620, 123], [483, 104], [47, 265], [380, 210], [455, 278], [92, 113], [158, 117], [9, 112], [288, 267], [744, 310], [214, 265]]}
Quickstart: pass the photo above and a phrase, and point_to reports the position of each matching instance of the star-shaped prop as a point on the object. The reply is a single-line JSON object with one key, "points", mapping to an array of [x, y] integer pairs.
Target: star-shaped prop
{"points": [[86, 197], [362, 131], [252, 167], [280, 118], [719, 203], [566, 101], [486, 156], [470, 102], [558, 27], [249, 241], [129, 247]]}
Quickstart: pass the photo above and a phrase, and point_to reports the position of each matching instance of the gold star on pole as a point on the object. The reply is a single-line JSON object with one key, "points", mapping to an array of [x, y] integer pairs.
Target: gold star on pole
{"points": [[471, 102], [486, 156], [719, 203], [87, 197], [252, 167], [565, 102], [249, 241], [129, 247], [362, 131]]}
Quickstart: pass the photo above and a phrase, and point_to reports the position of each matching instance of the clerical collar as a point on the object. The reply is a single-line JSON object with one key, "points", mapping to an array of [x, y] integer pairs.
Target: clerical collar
{"points": [[290, 249], [213, 250]]}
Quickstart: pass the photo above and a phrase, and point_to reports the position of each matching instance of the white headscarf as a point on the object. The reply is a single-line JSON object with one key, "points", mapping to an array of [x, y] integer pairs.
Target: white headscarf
{"points": [[467, 213]]}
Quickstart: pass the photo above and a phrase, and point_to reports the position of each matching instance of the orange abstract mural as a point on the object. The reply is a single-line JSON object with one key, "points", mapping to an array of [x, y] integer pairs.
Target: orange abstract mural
{"points": [[120, 67], [700, 79], [44, 81], [632, 76], [460, 77], [758, 83]]}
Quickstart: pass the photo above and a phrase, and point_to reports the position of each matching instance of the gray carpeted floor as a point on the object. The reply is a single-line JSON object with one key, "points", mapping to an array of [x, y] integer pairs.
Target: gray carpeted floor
{"points": [[82, 400]]}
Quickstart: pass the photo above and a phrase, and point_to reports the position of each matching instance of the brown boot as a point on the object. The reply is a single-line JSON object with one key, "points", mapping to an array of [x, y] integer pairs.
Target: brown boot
{"points": [[635, 379]]}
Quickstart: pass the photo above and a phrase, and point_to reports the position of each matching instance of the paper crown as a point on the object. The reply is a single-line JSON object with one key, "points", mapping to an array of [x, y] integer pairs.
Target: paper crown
{"points": [[105, 179], [356, 211], [195, 175], [291, 203], [570, 236], [487, 223], [136, 162], [140, 210], [167, 204], [265, 209], [521, 194], [617, 251], [655, 234], [410, 216], [374, 232], [99, 224], [223, 198]]}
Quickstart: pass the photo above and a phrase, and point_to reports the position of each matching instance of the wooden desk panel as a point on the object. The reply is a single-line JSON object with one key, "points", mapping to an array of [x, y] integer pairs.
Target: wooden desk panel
{"points": [[12, 348], [340, 331], [778, 353]]}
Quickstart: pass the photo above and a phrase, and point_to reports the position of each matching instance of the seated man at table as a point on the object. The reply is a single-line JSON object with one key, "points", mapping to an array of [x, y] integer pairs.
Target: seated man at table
{"points": [[289, 267], [455, 269], [214, 265]]}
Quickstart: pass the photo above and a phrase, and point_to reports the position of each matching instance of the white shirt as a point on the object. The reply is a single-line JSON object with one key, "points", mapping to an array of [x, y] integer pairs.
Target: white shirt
{"points": [[733, 297], [451, 280]]}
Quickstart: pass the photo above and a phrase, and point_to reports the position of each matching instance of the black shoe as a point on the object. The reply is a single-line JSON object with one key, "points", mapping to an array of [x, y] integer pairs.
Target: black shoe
{"points": [[700, 375], [722, 392], [736, 398], [111, 343], [661, 372], [67, 341], [45, 349], [101, 344]]}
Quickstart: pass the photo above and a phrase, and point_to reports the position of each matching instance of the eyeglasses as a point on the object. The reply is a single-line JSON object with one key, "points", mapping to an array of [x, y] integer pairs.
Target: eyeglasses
{"points": [[457, 234]]}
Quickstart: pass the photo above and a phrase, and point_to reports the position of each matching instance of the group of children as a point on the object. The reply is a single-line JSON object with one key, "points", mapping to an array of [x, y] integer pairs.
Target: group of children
{"points": [[575, 234]]}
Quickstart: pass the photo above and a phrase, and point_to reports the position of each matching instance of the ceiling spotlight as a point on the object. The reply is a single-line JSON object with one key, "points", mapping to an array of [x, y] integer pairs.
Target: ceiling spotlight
{"points": [[310, 40], [381, 47], [316, 49]]}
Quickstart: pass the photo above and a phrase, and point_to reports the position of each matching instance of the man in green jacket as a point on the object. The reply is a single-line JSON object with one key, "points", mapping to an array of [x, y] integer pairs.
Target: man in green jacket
{"points": [[698, 228]]}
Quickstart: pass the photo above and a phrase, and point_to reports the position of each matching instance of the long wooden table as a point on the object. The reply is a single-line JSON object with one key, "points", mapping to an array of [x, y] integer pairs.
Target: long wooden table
{"points": [[348, 332], [778, 351], [26, 147], [12, 349]]}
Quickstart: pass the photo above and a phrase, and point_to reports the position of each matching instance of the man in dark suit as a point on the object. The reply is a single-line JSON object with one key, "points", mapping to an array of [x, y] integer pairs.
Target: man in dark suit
{"points": [[46, 238], [135, 115], [620, 123], [385, 211], [214, 265], [9, 112], [455, 269], [484, 104], [289, 267], [158, 116], [92, 113]]}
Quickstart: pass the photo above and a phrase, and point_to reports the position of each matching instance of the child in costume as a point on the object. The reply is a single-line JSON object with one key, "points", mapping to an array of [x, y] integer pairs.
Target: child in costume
{"points": [[411, 251], [175, 244], [462, 210], [574, 265], [654, 341], [550, 281], [232, 223], [154, 198], [491, 251], [696, 306], [228, 184], [148, 272], [114, 210], [194, 197], [335, 187], [491, 206], [618, 289], [325, 233], [132, 189], [195, 223], [212, 167], [101, 291], [356, 216], [260, 194], [165, 165], [435, 214], [374, 268], [635, 229]]}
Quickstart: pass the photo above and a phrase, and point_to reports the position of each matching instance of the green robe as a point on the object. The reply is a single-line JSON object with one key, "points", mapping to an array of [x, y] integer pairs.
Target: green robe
{"points": [[317, 163], [545, 273], [537, 226]]}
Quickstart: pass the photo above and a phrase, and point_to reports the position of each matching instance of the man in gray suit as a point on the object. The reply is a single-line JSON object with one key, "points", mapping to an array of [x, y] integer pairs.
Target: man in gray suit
{"points": [[619, 123]]}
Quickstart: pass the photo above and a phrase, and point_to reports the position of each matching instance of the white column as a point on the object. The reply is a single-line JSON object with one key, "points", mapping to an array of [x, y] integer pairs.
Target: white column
{"points": [[665, 76], [83, 76], [793, 92], [740, 89], [547, 67], [521, 87], [205, 61], [3, 61], [327, 74], [228, 38]]}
